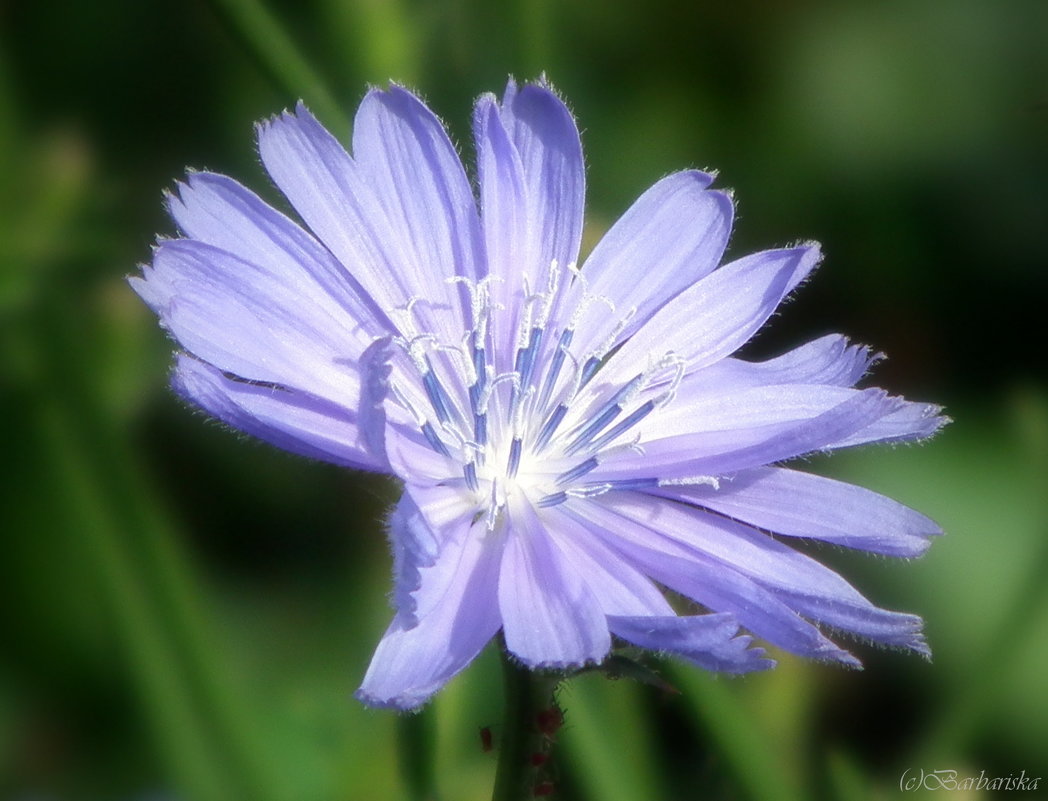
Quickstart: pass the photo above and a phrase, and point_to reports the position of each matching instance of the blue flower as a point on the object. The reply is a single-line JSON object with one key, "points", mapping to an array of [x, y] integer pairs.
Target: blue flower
{"points": [[572, 440]]}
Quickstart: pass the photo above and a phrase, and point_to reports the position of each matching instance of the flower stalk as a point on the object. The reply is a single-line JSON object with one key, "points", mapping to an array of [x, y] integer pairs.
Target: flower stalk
{"points": [[530, 723]]}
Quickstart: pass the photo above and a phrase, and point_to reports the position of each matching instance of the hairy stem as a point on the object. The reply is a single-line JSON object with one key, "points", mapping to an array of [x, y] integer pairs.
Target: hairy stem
{"points": [[529, 727]]}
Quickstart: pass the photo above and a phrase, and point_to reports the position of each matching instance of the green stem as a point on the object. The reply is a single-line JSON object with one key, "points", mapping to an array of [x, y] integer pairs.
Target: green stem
{"points": [[415, 750], [529, 727]]}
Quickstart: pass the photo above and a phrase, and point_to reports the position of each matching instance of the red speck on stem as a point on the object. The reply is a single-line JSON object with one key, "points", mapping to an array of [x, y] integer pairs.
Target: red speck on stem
{"points": [[549, 721]]}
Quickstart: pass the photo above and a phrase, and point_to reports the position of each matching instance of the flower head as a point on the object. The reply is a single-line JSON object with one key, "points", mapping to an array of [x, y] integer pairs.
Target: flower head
{"points": [[571, 439]]}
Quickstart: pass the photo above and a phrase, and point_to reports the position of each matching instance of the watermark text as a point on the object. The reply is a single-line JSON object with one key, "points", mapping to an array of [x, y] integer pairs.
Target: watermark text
{"points": [[913, 780]]}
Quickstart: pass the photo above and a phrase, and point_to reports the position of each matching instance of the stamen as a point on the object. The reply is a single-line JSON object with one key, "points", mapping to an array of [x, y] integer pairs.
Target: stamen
{"points": [[578, 471], [489, 389], [551, 426], [438, 396], [402, 399], [470, 472], [616, 484], [434, 439], [524, 364], [589, 490], [553, 373], [480, 431], [494, 507], [480, 366], [463, 444], [514, 457], [526, 358], [458, 354], [710, 481], [608, 412], [602, 350], [589, 369], [624, 425], [521, 414], [552, 500], [552, 285]]}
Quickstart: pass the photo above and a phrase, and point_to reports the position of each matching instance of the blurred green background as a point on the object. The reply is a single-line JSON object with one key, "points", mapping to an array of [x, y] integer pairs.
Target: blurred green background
{"points": [[184, 613]]}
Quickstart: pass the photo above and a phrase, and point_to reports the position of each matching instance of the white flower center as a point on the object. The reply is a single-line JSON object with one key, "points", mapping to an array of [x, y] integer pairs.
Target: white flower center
{"points": [[539, 426]]}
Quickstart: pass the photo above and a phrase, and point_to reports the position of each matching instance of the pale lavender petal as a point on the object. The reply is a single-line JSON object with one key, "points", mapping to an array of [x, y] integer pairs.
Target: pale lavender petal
{"points": [[405, 155], [512, 245], [708, 641], [807, 586], [828, 360], [457, 614], [219, 211], [415, 545], [727, 409], [545, 136], [619, 587], [910, 422], [375, 368], [680, 457], [413, 458], [796, 504], [804, 584], [862, 620], [247, 321], [550, 617], [705, 580], [293, 421], [716, 315], [673, 235], [342, 206]]}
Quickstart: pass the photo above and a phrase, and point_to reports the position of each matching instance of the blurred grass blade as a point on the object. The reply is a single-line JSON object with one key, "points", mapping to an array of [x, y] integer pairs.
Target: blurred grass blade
{"points": [[199, 723], [375, 39], [987, 677], [740, 739], [608, 742], [280, 59]]}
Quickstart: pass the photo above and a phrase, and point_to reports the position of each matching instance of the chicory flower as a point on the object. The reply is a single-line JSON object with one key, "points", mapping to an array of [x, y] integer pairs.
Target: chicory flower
{"points": [[572, 439]]}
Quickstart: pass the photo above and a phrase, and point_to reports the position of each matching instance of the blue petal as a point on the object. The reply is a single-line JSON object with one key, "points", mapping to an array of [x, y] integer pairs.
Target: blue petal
{"points": [[455, 615], [290, 420], [911, 421], [619, 588], [828, 360], [512, 245], [532, 187], [550, 617], [682, 456], [247, 320], [797, 504], [673, 235], [716, 315], [373, 227], [545, 136], [708, 641], [415, 546], [220, 212], [405, 155], [718, 587], [805, 585]]}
